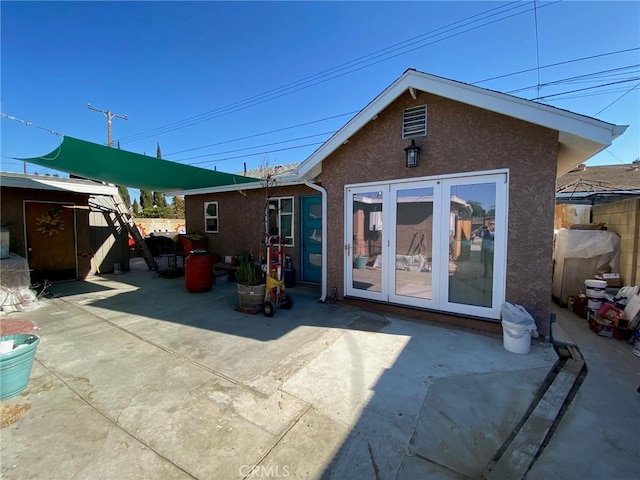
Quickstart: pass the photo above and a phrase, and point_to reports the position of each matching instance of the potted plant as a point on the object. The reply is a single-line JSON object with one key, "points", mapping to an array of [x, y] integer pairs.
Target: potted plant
{"points": [[190, 242], [251, 286]]}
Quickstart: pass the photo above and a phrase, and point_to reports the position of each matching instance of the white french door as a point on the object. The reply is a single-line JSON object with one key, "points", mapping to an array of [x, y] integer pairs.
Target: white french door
{"points": [[435, 243], [366, 242]]}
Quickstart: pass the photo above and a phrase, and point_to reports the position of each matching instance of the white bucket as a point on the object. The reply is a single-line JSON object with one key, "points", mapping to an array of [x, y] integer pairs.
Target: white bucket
{"points": [[595, 288], [594, 304], [516, 338]]}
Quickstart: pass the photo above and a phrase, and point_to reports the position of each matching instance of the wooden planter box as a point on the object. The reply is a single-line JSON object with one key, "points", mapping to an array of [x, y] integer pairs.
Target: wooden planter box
{"points": [[251, 297]]}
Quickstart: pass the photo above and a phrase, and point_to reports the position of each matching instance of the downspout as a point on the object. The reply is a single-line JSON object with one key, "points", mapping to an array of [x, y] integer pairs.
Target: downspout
{"points": [[323, 284]]}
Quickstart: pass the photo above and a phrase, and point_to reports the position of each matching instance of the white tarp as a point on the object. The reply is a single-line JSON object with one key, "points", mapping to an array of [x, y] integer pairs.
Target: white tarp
{"points": [[588, 244]]}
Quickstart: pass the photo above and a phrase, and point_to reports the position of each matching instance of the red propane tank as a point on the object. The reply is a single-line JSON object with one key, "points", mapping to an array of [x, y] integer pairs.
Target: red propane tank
{"points": [[198, 271]]}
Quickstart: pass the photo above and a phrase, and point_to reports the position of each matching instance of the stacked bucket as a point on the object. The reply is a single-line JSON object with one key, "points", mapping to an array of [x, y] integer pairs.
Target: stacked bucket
{"points": [[595, 294]]}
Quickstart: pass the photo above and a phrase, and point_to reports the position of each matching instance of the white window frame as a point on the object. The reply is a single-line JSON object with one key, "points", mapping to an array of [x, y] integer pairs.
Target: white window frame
{"points": [[208, 217], [442, 186], [278, 201]]}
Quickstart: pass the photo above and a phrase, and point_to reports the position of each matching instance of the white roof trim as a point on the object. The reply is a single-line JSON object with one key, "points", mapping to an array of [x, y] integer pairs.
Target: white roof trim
{"points": [[280, 182], [56, 184], [581, 136]]}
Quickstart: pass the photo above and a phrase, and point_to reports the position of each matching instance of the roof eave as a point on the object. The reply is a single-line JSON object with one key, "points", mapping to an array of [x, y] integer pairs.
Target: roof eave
{"points": [[51, 183], [595, 133], [284, 182]]}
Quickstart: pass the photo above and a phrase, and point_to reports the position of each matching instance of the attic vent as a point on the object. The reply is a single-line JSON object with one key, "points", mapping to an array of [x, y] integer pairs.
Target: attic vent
{"points": [[414, 122]]}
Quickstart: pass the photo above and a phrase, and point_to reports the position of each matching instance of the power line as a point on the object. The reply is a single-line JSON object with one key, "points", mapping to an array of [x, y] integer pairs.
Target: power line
{"points": [[585, 76], [30, 124], [256, 154], [257, 146], [3, 115], [535, 16], [586, 88], [302, 146], [565, 62], [350, 113], [287, 89], [619, 98], [202, 117], [592, 94], [264, 133]]}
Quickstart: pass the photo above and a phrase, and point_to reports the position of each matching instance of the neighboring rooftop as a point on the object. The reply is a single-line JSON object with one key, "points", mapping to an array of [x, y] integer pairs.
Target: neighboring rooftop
{"points": [[598, 184], [278, 171]]}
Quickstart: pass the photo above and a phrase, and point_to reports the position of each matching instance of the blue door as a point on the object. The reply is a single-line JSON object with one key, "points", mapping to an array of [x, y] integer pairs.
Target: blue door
{"points": [[311, 230]]}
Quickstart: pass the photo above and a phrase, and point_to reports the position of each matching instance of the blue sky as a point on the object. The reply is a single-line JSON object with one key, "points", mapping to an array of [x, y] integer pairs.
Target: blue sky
{"points": [[227, 71]]}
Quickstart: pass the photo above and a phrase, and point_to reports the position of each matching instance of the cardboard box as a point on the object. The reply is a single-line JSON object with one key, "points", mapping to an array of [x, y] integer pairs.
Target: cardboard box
{"points": [[601, 326], [612, 279]]}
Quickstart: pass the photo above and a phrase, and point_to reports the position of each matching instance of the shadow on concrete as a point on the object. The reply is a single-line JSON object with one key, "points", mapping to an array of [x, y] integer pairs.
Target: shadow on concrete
{"points": [[75, 288], [412, 400], [438, 414], [166, 299]]}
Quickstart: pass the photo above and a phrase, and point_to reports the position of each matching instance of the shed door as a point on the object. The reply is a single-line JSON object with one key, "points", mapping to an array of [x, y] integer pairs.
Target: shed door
{"points": [[50, 240]]}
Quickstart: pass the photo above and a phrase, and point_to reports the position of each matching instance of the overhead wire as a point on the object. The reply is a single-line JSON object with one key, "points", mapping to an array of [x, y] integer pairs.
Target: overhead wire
{"points": [[256, 154], [586, 88], [594, 75], [555, 82], [617, 99], [258, 146], [332, 73], [535, 16], [202, 117], [265, 133], [378, 54], [30, 124]]}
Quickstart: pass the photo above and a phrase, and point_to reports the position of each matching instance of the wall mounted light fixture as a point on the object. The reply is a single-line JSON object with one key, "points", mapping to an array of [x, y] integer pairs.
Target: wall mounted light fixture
{"points": [[412, 153]]}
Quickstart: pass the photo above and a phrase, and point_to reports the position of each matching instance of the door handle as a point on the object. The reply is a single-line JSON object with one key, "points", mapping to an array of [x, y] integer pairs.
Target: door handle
{"points": [[347, 247]]}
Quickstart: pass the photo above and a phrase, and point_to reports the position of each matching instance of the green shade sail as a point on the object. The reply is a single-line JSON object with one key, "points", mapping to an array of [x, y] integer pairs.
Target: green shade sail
{"points": [[99, 162]]}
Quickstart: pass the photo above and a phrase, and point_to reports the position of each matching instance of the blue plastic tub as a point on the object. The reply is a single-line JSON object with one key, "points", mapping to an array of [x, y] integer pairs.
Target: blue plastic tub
{"points": [[15, 366]]}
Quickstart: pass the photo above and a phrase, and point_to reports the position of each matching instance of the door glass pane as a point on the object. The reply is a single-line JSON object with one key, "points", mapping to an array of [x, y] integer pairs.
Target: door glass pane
{"points": [[315, 211], [471, 234], [315, 260], [414, 242], [366, 251]]}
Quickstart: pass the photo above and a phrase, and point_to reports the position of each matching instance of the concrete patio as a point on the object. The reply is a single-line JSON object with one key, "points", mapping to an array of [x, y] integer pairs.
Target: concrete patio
{"points": [[137, 378]]}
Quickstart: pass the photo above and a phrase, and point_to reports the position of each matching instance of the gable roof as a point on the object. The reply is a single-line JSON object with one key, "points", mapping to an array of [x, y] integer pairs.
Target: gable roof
{"points": [[580, 137], [598, 184]]}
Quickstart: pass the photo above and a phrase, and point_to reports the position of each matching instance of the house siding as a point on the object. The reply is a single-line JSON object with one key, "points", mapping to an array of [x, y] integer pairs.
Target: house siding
{"points": [[460, 138], [241, 220]]}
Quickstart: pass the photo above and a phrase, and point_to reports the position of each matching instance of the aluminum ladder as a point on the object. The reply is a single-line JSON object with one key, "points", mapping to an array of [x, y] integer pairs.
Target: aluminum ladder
{"points": [[126, 219]]}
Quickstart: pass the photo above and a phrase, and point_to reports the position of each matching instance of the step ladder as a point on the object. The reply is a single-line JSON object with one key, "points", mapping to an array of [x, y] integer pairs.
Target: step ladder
{"points": [[126, 219]]}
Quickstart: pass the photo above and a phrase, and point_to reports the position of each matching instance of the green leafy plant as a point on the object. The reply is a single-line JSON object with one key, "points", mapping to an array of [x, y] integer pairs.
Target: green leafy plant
{"points": [[248, 274]]}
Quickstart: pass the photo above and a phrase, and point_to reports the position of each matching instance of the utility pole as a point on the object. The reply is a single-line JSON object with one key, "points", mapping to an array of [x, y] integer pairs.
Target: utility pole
{"points": [[109, 116]]}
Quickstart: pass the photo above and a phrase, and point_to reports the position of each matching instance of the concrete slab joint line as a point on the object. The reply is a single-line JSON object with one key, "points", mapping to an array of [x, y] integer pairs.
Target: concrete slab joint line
{"points": [[523, 449]]}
